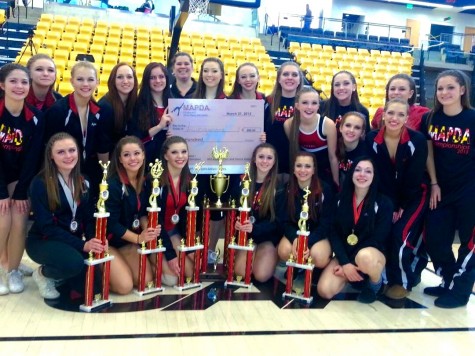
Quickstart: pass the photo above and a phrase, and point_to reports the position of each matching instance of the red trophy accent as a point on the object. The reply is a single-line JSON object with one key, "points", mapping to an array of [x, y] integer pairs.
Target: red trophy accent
{"points": [[94, 302], [242, 242], [192, 242], [300, 262], [150, 248]]}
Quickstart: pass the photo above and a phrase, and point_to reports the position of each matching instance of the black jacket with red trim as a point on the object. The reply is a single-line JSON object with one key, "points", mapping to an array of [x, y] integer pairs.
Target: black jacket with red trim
{"points": [[401, 180]]}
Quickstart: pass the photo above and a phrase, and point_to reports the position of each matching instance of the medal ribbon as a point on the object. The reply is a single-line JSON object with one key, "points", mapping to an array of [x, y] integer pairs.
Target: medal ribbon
{"points": [[357, 209], [69, 196], [175, 194]]}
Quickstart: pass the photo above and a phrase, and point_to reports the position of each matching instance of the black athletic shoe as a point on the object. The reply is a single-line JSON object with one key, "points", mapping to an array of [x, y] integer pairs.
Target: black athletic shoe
{"points": [[435, 291], [366, 296], [450, 300]]}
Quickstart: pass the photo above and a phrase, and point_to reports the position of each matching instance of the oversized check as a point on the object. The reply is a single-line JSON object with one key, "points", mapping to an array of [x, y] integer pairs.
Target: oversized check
{"points": [[231, 123]]}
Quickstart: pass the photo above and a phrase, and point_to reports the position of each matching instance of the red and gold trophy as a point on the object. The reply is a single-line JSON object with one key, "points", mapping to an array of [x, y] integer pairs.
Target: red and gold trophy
{"points": [[151, 247], [300, 261], [93, 302], [192, 242], [242, 242]]}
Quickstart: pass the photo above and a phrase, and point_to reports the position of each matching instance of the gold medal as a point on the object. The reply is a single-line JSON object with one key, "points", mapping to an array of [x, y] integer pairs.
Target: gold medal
{"points": [[352, 239]]}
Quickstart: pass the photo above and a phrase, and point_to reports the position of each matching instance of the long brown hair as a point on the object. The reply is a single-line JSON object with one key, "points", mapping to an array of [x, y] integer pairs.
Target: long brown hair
{"points": [[122, 111], [185, 172], [276, 94], [237, 88], [200, 92], [269, 186], [117, 168], [340, 146], [50, 173], [315, 189], [294, 146], [147, 114]]}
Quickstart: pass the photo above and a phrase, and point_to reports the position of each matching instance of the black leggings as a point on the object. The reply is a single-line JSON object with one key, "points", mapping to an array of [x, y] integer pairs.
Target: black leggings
{"points": [[61, 261]]}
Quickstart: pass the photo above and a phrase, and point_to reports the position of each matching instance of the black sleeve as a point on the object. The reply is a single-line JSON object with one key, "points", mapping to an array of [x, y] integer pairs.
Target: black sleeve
{"points": [[114, 207], [105, 128], [44, 218], [54, 119], [382, 225], [170, 253], [363, 110], [336, 241], [31, 159], [322, 229], [415, 170]]}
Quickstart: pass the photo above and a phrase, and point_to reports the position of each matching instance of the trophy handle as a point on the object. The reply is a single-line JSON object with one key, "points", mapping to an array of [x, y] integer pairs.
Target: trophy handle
{"points": [[211, 184]]}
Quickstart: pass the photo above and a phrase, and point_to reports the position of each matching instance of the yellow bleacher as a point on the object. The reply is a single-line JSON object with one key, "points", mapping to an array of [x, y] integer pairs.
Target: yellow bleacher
{"points": [[372, 68]]}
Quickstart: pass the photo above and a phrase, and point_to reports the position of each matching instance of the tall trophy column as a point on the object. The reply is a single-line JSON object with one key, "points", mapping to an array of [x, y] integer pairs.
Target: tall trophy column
{"points": [[300, 261], [151, 247], [192, 242], [242, 240], [94, 302]]}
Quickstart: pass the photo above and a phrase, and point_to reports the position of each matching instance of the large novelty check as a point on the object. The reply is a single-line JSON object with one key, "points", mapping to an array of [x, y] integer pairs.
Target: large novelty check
{"points": [[234, 124]]}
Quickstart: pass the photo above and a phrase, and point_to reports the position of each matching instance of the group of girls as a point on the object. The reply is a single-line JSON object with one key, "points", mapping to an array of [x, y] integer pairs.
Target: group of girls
{"points": [[326, 148]]}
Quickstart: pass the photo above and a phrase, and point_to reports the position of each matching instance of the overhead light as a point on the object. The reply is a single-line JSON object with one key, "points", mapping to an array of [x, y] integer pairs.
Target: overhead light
{"points": [[421, 3]]}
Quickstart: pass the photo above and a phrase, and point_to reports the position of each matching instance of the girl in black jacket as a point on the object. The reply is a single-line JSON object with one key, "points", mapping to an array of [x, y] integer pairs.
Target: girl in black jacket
{"points": [[358, 235]]}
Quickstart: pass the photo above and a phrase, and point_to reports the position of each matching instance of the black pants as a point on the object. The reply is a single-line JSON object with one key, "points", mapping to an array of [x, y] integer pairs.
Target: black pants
{"points": [[61, 261], [406, 255], [453, 213]]}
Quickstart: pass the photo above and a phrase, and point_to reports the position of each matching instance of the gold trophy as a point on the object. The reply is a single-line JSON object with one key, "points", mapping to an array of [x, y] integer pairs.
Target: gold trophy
{"points": [[299, 261], [192, 243], [243, 243], [219, 182], [151, 247], [91, 302]]}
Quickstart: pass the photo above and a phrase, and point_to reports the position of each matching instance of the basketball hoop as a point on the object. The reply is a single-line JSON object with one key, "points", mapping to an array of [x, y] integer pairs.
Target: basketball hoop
{"points": [[198, 7]]}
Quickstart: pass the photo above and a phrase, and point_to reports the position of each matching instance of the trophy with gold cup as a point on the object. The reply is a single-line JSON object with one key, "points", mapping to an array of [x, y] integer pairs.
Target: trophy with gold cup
{"points": [[219, 182], [94, 302], [300, 261], [152, 247], [243, 244], [192, 242]]}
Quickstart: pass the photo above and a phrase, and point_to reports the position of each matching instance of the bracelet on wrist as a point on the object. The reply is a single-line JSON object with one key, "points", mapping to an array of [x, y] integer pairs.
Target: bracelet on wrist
{"points": [[434, 184]]}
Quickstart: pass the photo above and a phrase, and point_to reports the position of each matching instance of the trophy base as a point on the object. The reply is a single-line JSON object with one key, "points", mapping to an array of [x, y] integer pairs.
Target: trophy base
{"points": [[141, 251], [190, 248], [300, 265], [96, 305], [238, 284], [148, 291], [241, 247], [187, 286], [297, 296], [97, 261]]}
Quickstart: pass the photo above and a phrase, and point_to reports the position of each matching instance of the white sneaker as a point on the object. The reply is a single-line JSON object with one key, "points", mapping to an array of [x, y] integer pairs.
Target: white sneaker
{"points": [[3, 286], [15, 281], [25, 270], [45, 285]]}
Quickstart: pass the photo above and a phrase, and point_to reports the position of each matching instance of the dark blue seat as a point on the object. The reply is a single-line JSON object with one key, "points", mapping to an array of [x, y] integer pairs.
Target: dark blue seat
{"points": [[372, 38], [328, 33], [394, 40], [317, 32], [351, 36], [339, 34], [383, 39], [404, 41], [362, 37]]}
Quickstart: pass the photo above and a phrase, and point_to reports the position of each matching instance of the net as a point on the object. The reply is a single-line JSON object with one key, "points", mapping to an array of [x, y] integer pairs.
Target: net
{"points": [[198, 6]]}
